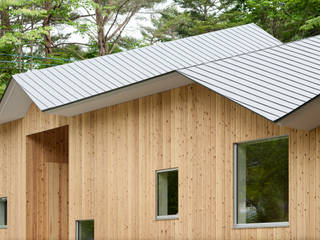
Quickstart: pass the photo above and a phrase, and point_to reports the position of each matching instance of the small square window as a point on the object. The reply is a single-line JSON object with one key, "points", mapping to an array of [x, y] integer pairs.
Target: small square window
{"points": [[85, 230], [167, 194], [3, 212]]}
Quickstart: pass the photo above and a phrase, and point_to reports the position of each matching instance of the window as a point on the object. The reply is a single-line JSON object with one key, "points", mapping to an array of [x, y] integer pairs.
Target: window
{"points": [[167, 194], [3, 212], [261, 183], [85, 230]]}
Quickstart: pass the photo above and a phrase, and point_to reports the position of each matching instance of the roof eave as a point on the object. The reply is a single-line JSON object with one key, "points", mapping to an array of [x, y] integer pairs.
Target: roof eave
{"points": [[306, 117], [13, 110], [141, 89]]}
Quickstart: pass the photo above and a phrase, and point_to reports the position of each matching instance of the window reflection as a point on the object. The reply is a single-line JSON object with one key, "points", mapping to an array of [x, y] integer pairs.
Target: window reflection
{"points": [[262, 181]]}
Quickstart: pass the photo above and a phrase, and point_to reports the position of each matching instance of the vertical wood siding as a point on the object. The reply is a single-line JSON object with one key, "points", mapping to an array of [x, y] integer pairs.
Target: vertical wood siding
{"points": [[47, 185], [114, 153]]}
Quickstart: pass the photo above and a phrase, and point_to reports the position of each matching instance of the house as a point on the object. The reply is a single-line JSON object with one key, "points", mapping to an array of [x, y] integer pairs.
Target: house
{"points": [[210, 137]]}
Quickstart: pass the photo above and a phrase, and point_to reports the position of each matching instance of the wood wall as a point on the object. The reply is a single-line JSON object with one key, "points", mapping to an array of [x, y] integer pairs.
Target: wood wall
{"points": [[114, 153]]}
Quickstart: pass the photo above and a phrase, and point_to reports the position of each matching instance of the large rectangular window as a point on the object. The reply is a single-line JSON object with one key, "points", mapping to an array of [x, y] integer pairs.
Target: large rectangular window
{"points": [[167, 194], [85, 230], [261, 183], [3, 212]]}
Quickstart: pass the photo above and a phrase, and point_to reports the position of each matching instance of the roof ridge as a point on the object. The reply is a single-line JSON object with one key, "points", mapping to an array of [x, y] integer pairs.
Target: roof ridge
{"points": [[151, 46], [248, 53]]}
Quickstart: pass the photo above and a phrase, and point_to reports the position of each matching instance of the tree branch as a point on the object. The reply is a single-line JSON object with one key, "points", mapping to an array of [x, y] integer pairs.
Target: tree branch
{"points": [[70, 43], [115, 43], [123, 24], [88, 13], [74, 17], [116, 17]]}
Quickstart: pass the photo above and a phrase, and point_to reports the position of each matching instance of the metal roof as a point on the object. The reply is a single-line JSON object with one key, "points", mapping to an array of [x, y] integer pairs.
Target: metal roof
{"points": [[272, 82], [281, 82], [54, 87]]}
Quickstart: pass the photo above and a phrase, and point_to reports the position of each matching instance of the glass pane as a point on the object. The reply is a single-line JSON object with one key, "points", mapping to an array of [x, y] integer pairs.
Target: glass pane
{"points": [[3, 211], [167, 193], [262, 192], [85, 230]]}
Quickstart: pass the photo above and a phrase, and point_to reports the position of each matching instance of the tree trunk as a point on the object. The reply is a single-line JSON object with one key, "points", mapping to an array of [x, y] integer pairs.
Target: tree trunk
{"points": [[5, 22], [47, 37], [101, 39], [31, 43]]}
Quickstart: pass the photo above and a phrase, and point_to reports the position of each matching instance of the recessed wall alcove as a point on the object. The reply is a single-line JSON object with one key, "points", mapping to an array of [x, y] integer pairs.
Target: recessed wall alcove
{"points": [[47, 184]]}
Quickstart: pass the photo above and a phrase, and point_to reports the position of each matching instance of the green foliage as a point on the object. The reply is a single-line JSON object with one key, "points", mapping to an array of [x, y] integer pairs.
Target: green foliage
{"points": [[128, 43], [311, 25], [287, 20], [23, 38], [7, 68], [168, 27], [196, 17]]}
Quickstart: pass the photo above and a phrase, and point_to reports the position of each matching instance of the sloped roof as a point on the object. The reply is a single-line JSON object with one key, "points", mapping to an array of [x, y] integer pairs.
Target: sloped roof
{"points": [[54, 87], [281, 82], [271, 82]]}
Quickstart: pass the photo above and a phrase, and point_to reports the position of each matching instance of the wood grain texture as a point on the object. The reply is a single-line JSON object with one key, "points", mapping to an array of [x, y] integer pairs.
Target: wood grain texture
{"points": [[114, 153], [47, 185]]}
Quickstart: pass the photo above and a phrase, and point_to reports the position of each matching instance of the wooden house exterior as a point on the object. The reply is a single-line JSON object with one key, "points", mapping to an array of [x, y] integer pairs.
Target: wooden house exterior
{"points": [[105, 162], [97, 158]]}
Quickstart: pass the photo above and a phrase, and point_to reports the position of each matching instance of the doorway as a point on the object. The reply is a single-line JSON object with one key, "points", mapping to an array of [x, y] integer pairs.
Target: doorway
{"points": [[47, 184]]}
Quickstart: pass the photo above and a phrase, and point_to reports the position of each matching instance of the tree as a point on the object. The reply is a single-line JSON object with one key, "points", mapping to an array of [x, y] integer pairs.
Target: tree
{"points": [[23, 21], [58, 12], [165, 28], [25, 29], [286, 20], [16, 33], [312, 26], [191, 17], [108, 19]]}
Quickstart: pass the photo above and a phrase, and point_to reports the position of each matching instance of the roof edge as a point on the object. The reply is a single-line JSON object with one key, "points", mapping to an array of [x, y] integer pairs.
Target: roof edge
{"points": [[130, 92]]}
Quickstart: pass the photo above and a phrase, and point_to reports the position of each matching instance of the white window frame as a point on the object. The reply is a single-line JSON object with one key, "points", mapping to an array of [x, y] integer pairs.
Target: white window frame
{"points": [[166, 217], [5, 226], [77, 226], [235, 190]]}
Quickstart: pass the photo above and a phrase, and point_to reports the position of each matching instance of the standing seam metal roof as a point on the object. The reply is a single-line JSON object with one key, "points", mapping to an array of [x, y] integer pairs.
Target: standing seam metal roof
{"points": [[53, 87], [272, 82]]}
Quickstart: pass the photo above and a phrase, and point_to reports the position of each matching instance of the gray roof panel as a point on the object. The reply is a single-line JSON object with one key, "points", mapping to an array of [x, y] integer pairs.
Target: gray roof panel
{"points": [[62, 79], [240, 75], [272, 82]]}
